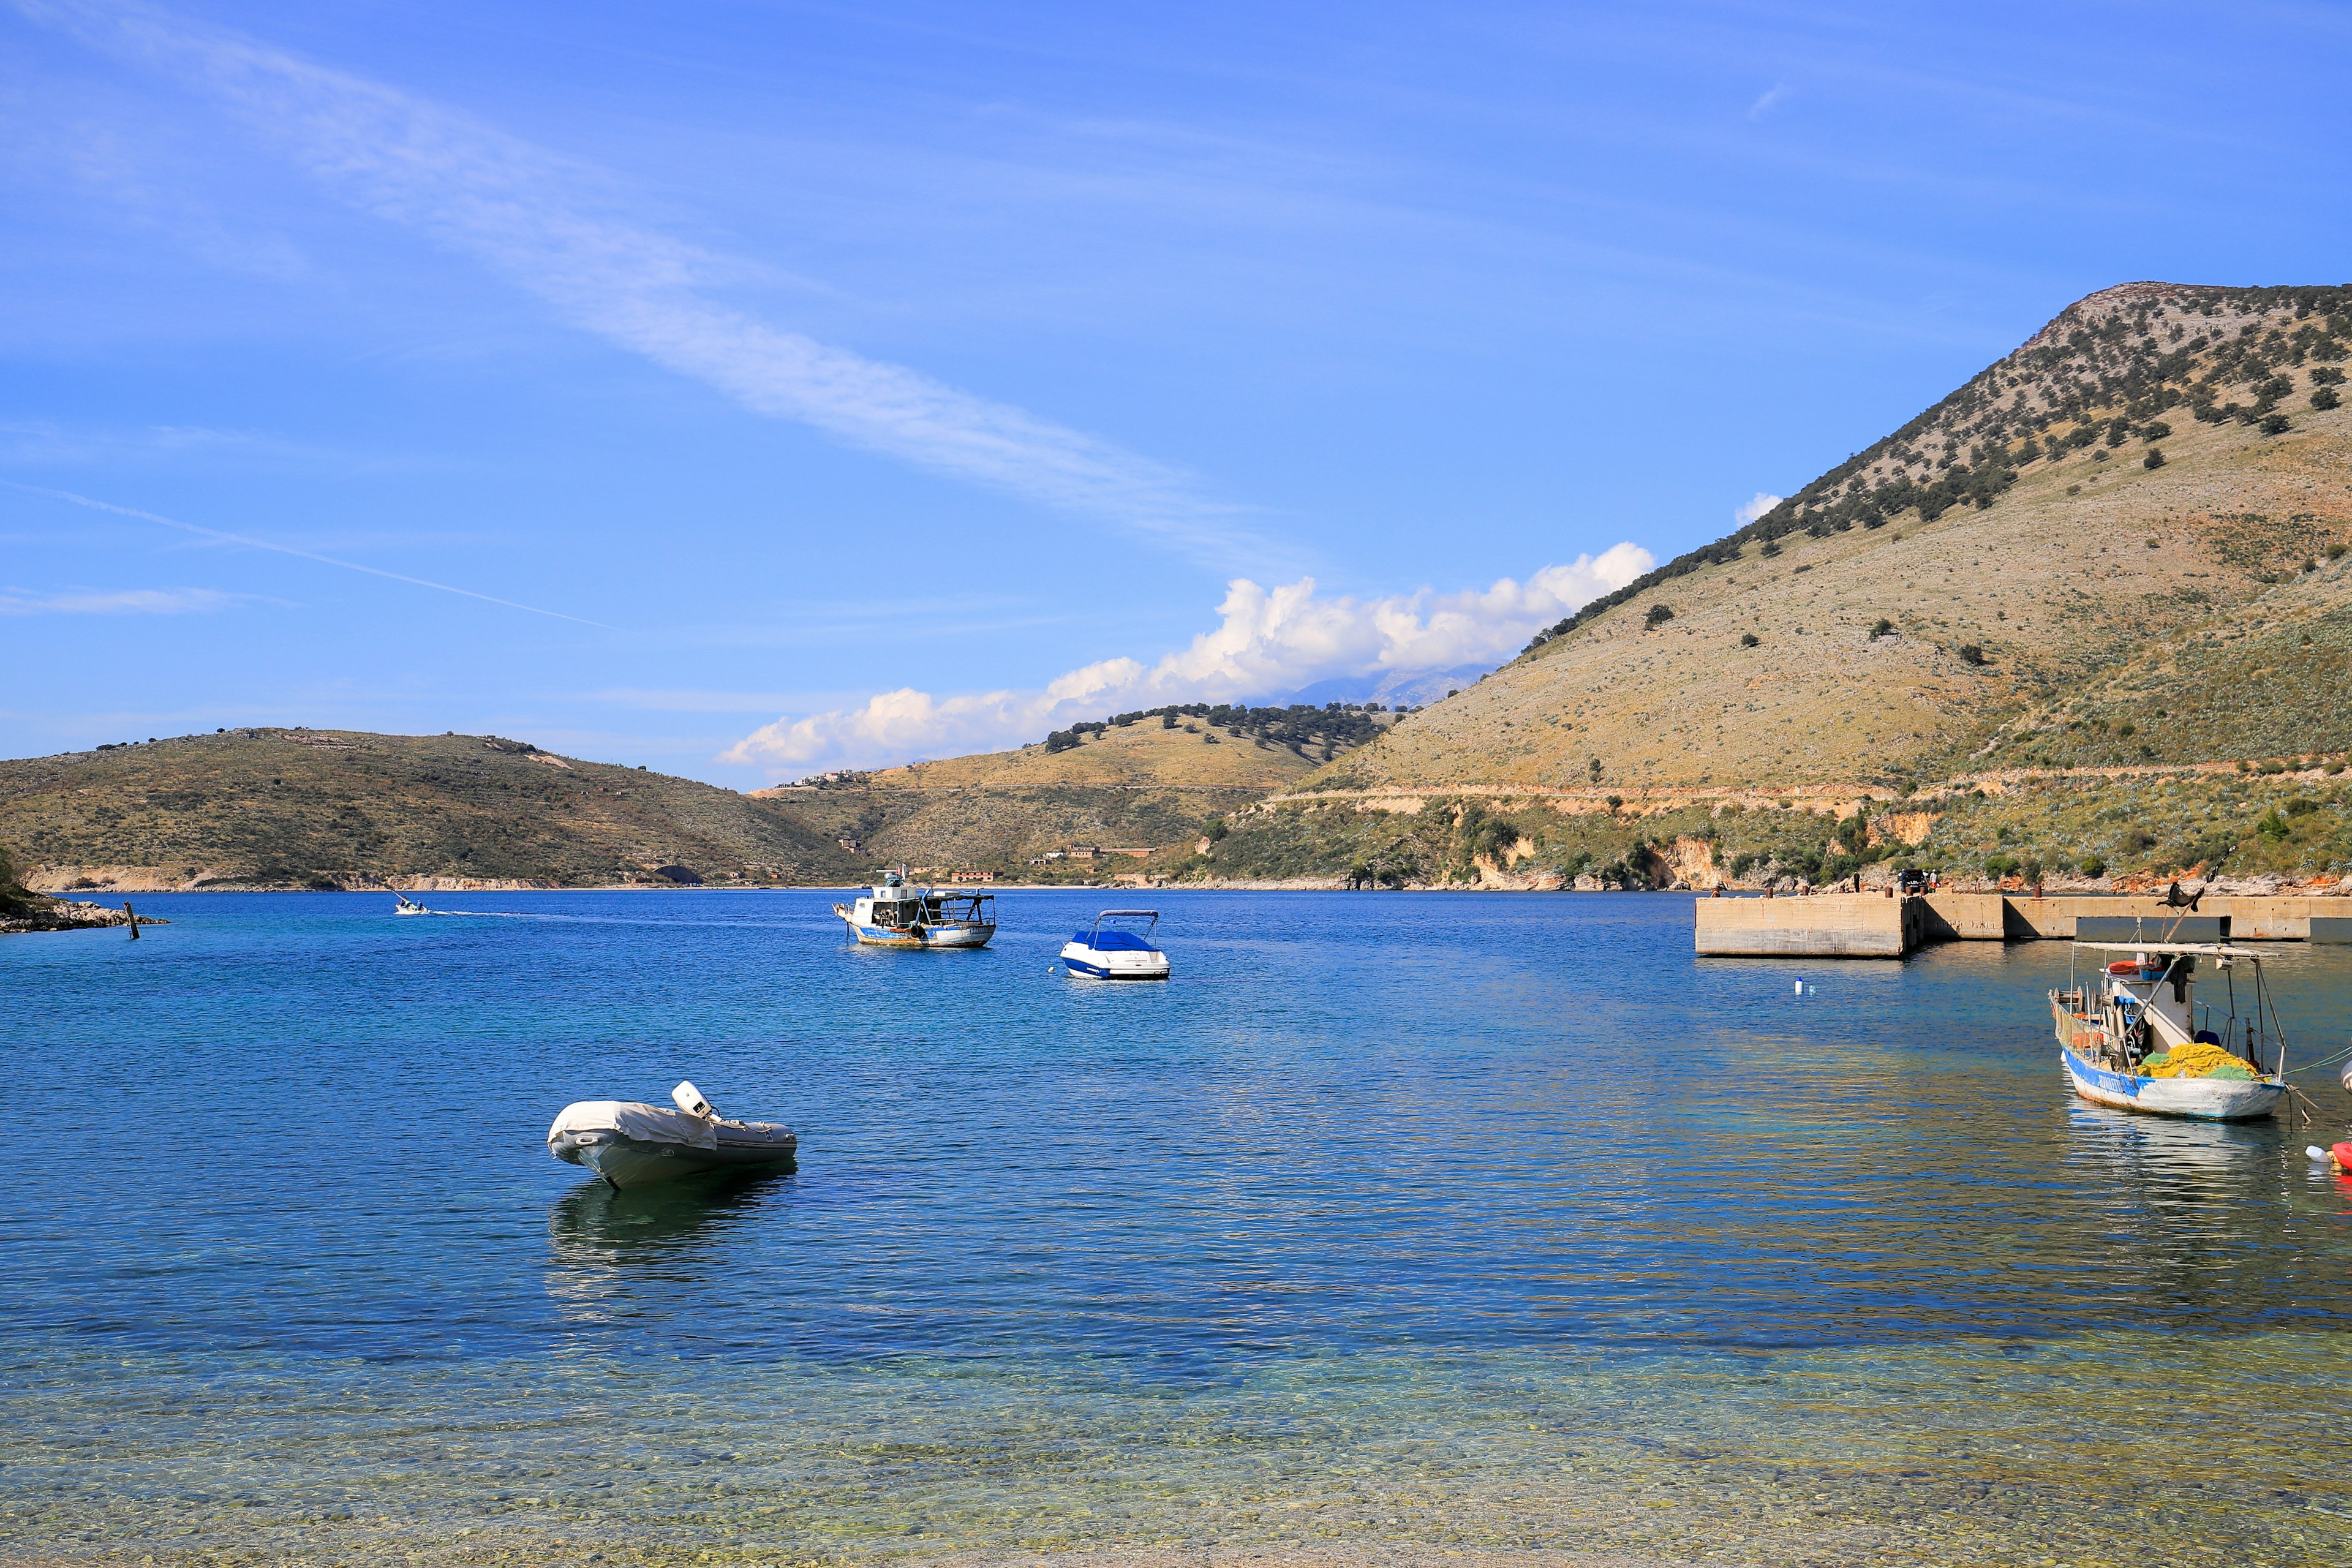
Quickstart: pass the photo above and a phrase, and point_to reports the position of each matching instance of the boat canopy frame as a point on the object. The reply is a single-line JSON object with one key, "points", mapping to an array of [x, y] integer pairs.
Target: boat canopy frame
{"points": [[2246, 1037], [1152, 915], [931, 905]]}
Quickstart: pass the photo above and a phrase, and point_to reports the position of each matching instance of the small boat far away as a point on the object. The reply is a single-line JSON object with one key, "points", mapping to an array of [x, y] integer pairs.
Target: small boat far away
{"points": [[2139, 1039], [632, 1144], [402, 907], [893, 913], [1117, 952]]}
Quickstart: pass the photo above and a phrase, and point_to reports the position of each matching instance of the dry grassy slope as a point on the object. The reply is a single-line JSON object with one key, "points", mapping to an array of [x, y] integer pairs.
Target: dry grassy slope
{"points": [[291, 807], [1189, 757], [2056, 579], [1135, 787]]}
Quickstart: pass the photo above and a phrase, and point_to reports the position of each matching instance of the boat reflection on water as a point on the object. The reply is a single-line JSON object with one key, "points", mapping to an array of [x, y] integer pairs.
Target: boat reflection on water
{"points": [[605, 1243], [2169, 1143]]}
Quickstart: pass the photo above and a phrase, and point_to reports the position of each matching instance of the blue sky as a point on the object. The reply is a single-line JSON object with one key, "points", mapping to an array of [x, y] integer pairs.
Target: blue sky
{"points": [[745, 389]]}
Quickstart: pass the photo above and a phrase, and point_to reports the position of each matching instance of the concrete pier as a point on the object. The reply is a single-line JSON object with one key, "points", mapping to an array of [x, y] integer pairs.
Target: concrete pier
{"points": [[1827, 925], [1873, 925]]}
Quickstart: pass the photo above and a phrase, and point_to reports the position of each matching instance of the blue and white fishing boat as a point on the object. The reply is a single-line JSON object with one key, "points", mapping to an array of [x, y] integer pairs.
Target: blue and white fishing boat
{"points": [[895, 913], [1118, 952], [2138, 1037]]}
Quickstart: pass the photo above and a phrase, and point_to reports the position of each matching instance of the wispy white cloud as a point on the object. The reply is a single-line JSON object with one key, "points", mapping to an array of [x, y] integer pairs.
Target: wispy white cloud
{"points": [[123, 602], [1755, 507], [1765, 100], [220, 537], [543, 222], [1266, 641]]}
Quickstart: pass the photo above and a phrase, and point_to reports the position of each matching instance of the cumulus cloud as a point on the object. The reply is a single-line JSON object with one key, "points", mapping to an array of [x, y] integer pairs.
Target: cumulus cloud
{"points": [[126, 602], [1757, 506], [552, 227], [1266, 641]]}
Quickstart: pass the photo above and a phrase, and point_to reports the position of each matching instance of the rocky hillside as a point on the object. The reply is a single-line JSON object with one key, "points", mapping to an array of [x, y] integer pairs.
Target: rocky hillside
{"points": [[1145, 780], [290, 808], [2123, 545]]}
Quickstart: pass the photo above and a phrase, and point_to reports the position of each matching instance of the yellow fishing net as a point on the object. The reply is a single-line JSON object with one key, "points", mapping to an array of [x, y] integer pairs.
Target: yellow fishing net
{"points": [[2197, 1060]]}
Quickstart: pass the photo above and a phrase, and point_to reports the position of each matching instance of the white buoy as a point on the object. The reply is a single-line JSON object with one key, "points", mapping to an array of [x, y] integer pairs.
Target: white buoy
{"points": [[2316, 1152], [1800, 988]]}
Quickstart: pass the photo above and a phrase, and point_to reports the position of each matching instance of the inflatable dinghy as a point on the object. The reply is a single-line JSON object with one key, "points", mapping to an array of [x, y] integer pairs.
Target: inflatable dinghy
{"points": [[632, 1144]]}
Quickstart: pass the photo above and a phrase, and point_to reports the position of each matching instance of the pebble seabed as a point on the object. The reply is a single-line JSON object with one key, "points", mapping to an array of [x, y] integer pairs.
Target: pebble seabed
{"points": [[2102, 1449]]}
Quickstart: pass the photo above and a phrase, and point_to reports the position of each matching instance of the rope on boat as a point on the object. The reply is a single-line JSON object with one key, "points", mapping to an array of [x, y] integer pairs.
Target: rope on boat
{"points": [[2343, 1056]]}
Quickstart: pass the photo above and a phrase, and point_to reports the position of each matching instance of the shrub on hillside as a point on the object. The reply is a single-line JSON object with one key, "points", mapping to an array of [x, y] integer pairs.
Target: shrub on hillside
{"points": [[2155, 458], [2323, 398], [1659, 616], [1971, 654], [2274, 424], [1748, 640]]}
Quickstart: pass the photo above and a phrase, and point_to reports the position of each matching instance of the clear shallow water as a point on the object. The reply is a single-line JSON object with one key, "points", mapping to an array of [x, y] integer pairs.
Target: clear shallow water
{"points": [[1506, 1223]]}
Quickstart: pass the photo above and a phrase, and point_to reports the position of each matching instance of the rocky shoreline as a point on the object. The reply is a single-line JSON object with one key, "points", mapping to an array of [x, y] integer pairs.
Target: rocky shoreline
{"points": [[36, 913]]}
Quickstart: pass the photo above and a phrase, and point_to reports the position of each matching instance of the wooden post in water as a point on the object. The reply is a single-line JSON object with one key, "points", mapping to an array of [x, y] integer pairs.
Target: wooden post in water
{"points": [[134, 920]]}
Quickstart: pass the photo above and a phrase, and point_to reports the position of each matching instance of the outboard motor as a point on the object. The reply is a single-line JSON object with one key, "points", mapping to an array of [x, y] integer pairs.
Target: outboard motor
{"points": [[690, 1100]]}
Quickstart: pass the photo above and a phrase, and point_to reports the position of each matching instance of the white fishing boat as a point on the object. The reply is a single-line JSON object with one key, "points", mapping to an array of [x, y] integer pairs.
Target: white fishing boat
{"points": [[2134, 1034], [895, 913], [1117, 952], [402, 907], [632, 1144]]}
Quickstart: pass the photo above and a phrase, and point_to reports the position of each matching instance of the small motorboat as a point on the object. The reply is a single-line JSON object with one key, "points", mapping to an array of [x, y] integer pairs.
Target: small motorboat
{"points": [[2137, 1038], [632, 1144], [402, 907], [1117, 952], [894, 913]]}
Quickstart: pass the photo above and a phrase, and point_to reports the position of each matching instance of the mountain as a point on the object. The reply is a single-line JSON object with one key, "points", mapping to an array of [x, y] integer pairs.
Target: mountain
{"points": [[2087, 619], [2122, 546], [1394, 689], [1134, 781], [279, 808]]}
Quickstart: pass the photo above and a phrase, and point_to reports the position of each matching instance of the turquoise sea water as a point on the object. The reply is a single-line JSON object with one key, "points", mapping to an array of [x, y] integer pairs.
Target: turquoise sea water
{"points": [[1415, 1223]]}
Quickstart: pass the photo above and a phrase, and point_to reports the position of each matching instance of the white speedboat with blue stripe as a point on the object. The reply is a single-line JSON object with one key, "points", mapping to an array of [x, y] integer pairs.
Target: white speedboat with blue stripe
{"points": [[1114, 950], [2138, 1040]]}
